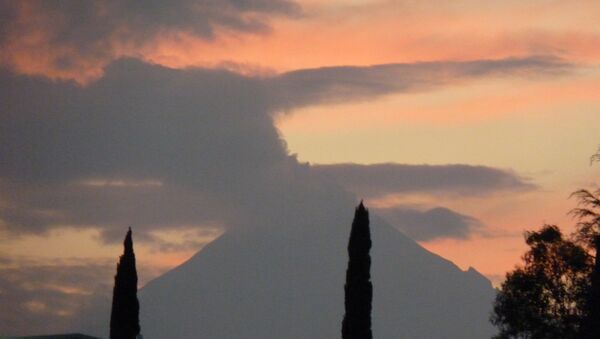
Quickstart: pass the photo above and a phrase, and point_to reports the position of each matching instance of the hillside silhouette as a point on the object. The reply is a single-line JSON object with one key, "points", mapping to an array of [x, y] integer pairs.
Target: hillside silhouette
{"points": [[286, 282]]}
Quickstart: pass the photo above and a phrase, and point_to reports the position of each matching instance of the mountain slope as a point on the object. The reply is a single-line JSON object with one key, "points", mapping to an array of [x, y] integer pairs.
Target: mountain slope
{"points": [[287, 282]]}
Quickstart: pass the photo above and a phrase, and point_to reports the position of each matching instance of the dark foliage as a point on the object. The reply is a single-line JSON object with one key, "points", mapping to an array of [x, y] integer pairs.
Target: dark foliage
{"points": [[124, 317], [588, 232], [358, 290], [547, 297], [588, 215], [591, 324]]}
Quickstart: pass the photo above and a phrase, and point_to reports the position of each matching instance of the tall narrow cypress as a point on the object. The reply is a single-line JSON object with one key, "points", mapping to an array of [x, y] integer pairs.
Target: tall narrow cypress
{"points": [[358, 290], [124, 317]]}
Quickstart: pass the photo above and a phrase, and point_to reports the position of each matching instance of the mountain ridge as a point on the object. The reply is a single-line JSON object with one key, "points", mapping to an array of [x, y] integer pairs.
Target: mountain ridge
{"points": [[269, 284]]}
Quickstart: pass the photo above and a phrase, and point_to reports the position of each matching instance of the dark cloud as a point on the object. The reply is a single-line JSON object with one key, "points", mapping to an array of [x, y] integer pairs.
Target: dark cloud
{"points": [[153, 147], [179, 128], [383, 179], [138, 121], [203, 139], [343, 83], [83, 36], [36, 207], [436, 223]]}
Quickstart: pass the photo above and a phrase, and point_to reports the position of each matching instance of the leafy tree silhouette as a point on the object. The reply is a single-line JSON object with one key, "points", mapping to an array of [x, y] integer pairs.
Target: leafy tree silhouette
{"points": [[557, 293], [358, 289], [588, 233], [124, 317], [546, 298]]}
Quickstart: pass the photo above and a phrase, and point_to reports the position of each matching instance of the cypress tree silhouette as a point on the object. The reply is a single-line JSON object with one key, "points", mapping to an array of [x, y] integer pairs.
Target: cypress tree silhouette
{"points": [[124, 317], [358, 290]]}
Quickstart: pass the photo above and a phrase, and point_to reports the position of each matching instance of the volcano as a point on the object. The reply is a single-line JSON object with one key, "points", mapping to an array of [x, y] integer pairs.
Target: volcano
{"points": [[287, 282]]}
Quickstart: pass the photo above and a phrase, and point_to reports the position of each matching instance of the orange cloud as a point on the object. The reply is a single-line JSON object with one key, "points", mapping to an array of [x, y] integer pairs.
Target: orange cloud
{"points": [[363, 34], [376, 34]]}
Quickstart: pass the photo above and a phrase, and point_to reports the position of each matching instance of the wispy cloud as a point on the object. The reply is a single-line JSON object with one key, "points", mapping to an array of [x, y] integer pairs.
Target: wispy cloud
{"points": [[44, 296], [435, 223], [378, 180], [345, 83]]}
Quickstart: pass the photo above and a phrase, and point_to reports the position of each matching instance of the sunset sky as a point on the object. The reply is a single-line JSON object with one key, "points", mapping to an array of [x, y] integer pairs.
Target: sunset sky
{"points": [[474, 118]]}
